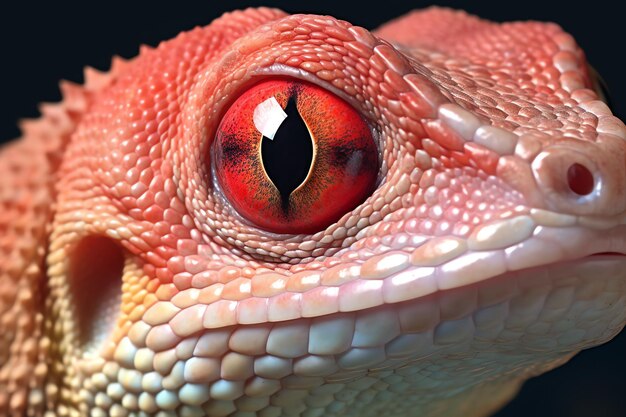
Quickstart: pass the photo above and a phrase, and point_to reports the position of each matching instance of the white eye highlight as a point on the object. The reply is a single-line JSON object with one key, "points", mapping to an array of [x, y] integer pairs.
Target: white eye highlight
{"points": [[268, 116]]}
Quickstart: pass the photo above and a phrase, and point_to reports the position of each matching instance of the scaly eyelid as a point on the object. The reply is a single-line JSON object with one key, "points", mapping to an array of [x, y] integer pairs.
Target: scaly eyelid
{"points": [[278, 70]]}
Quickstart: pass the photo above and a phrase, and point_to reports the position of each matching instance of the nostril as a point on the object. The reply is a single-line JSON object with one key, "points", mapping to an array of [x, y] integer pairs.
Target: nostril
{"points": [[580, 179], [572, 181]]}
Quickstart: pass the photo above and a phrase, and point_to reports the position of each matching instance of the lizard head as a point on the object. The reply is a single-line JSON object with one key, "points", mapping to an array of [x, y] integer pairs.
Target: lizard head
{"points": [[471, 231]]}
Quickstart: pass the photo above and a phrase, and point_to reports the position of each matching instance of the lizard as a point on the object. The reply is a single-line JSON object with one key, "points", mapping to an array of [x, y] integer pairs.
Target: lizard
{"points": [[485, 246]]}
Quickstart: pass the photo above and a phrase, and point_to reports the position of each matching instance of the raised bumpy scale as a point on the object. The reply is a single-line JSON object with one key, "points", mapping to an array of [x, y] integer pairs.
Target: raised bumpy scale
{"points": [[144, 273]]}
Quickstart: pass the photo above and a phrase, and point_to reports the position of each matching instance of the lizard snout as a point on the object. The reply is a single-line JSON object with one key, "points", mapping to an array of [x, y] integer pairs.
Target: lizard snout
{"points": [[581, 180]]}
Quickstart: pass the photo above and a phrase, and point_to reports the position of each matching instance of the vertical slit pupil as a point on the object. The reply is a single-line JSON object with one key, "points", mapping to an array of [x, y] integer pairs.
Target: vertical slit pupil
{"points": [[287, 159]]}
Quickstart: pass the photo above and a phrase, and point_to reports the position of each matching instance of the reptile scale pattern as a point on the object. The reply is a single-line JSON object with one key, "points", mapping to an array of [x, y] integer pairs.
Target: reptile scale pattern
{"points": [[129, 286]]}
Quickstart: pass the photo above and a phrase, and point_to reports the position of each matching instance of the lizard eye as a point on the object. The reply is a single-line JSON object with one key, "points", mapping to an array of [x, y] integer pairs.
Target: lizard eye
{"points": [[292, 157]]}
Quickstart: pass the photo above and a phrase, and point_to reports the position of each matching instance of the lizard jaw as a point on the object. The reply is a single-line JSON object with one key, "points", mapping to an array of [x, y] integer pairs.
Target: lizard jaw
{"points": [[532, 319], [547, 243], [539, 239], [417, 269]]}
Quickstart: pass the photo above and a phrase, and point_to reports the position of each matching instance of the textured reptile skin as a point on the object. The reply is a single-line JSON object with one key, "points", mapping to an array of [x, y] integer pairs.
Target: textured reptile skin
{"points": [[129, 286]]}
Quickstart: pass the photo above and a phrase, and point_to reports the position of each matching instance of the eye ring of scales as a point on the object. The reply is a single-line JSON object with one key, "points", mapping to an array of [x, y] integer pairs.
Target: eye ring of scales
{"points": [[491, 250]]}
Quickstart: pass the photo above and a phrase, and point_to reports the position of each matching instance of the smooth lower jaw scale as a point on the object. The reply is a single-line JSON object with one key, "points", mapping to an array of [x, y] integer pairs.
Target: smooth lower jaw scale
{"points": [[471, 129]]}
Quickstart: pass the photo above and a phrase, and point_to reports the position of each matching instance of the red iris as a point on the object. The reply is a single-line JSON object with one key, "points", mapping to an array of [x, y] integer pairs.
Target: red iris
{"points": [[321, 163]]}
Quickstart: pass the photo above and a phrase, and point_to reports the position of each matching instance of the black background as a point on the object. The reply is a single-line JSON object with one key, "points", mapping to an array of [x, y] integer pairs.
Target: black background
{"points": [[41, 44]]}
